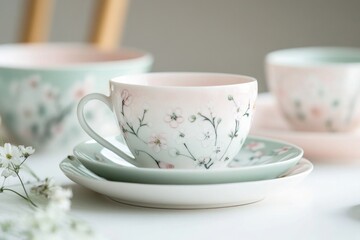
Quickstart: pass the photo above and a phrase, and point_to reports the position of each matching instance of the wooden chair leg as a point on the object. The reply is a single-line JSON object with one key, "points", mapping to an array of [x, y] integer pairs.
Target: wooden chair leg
{"points": [[109, 22], [37, 20]]}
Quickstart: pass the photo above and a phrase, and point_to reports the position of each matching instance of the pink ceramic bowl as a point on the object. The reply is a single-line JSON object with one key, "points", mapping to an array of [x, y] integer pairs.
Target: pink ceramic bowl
{"points": [[317, 88], [41, 84]]}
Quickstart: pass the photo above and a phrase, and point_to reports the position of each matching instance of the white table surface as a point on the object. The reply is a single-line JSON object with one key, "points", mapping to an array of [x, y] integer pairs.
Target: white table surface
{"points": [[325, 206]]}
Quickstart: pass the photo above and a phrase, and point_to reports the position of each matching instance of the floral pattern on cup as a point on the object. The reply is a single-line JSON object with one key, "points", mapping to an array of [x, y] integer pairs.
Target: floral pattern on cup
{"points": [[324, 111], [174, 117], [40, 112], [157, 142]]}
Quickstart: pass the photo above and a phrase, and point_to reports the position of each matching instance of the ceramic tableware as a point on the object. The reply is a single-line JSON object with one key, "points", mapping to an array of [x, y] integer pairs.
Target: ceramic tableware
{"points": [[179, 120], [259, 159], [317, 88], [41, 84], [340, 147], [185, 196]]}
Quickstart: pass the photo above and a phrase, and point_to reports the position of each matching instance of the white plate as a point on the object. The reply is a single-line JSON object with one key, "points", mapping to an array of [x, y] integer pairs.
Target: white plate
{"points": [[319, 146], [184, 196]]}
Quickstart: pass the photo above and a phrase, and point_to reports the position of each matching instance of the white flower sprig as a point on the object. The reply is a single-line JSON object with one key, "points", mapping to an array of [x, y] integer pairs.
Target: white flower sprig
{"points": [[49, 222], [12, 159], [44, 222]]}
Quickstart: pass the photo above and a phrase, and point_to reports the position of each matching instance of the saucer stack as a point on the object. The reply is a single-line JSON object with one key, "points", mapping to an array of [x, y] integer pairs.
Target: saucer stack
{"points": [[263, 166]]}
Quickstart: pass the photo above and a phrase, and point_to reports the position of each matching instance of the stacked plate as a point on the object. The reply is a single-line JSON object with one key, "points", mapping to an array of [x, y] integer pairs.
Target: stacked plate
{"points": [[327, 147], [262, 167]]}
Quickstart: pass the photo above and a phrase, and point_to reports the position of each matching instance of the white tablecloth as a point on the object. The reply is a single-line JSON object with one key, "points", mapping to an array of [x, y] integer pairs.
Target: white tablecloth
{"points": [[325, 206]]}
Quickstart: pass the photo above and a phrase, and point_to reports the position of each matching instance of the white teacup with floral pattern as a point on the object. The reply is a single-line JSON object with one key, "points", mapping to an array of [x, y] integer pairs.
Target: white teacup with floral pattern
{"points": [[179, 120], [317, 88]]}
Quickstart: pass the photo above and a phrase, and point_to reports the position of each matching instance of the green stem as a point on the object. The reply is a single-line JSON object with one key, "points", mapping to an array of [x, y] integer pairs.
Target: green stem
{"points": [[184, 155], [22, 196], [23, 186], [22, 162], [192, 156], [141, 120], [232, 138], [157, 161], [227, 148], [248, 108], [212, 122], [208, 166], [235, 103], [131, 129], [122, 108]]}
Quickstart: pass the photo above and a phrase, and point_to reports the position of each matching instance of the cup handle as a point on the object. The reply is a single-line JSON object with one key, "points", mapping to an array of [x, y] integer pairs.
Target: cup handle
{"points": [[92, 133]]}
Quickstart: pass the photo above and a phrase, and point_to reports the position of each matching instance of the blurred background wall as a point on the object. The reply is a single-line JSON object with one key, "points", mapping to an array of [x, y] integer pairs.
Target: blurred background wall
{"points": [[207, 35]]}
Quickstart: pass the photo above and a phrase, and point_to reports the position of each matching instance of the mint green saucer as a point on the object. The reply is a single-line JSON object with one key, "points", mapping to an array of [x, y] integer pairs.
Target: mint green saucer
{"points": [[259, 159]]}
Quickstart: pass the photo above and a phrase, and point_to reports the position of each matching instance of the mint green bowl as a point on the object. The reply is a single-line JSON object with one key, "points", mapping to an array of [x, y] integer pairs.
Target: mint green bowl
{"points": [[41, 84]]}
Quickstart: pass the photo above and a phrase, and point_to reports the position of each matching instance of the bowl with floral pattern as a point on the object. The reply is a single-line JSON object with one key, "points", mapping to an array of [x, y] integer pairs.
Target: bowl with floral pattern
{"points": [[40, 85], [317, 88], [259, 159], [201, 120]]}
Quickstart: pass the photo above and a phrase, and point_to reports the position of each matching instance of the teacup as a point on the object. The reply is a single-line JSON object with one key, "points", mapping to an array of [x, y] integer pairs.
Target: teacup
{"points": [[179, 120], [317, 88], [41, 84]]}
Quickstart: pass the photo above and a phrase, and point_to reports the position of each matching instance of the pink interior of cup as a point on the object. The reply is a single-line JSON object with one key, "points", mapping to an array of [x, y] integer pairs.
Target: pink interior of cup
{"points": [[60, 55], [184, 79]]}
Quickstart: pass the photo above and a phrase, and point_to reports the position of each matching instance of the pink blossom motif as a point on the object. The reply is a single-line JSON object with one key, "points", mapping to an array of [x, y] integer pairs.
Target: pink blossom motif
{"points": [[157, 142], [34, 81], [50, 93], [257, 155], [126, 97], [57, 129], [83, 88], [282, 150], [254, 146], [27, 113], [174, 118], [79, 93], [166, 165], [317, 111]]}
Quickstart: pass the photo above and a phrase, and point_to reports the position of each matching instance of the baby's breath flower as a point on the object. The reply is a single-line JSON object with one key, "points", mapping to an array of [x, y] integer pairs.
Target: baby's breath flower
{"points": [[26, 151], [10, 154], [46, 222], [44, 189], [10, 160], [57, 195], [60, 197]]}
